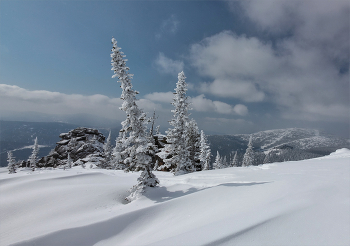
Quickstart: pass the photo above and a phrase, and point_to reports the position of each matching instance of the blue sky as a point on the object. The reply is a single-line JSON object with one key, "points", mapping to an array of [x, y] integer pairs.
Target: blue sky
{"points": [[251, 65]]}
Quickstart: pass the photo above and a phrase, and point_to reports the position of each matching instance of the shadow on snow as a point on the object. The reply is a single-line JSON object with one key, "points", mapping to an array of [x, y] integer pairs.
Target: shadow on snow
{"points": [[161, 194]]}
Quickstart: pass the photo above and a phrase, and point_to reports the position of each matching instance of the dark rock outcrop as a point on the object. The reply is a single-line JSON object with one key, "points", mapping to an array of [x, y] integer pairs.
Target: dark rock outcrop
{"points": [[80, 143]]}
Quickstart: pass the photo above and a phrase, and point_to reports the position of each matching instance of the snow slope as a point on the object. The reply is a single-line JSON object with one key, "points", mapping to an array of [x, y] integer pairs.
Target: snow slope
{"points": [[291, 203]]}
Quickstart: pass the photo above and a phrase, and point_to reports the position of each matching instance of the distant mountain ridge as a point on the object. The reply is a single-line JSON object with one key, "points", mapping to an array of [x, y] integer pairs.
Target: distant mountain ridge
{"points": [[19, 134], [295, 137], [309, 140]]}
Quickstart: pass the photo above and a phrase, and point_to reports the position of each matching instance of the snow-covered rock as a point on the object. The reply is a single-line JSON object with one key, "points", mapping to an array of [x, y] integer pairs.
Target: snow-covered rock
{"points": [[81, 143]]}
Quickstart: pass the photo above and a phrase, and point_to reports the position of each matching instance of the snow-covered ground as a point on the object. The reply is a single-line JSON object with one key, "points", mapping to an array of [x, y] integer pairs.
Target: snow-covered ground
{"points": [[291, 203]]}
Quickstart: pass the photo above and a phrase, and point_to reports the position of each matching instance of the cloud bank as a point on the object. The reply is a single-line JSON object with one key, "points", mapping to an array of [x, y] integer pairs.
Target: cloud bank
{"points": [[198, 103], [17, 100]]}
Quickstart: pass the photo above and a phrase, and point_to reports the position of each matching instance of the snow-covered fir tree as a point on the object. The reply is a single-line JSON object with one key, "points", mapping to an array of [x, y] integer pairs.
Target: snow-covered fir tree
{"points": [[271, 157], [248, 158], [235, 160], [107, 152], [218, 161], [224, 162], [34, 156], [193, 142], [11, 163], [137, 147], [180, 162], [205, 154]]}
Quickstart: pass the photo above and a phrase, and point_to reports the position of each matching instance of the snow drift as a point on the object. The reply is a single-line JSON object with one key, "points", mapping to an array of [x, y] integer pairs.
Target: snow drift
{"points": [[291, 203]]}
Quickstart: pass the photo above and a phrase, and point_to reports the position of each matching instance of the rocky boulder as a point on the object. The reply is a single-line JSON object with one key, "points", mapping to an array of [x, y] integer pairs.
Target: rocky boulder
{"points": [[80, 143]]}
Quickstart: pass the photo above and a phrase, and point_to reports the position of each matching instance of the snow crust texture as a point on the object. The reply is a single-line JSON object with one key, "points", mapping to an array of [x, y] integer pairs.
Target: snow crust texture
{"points": [[290, 203]]}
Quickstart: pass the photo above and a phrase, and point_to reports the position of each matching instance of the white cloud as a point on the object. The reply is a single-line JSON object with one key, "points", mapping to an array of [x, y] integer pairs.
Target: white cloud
{"points": [[202, 104], [304, 74], [235, 88], [190, 86], [222, 107], [167, 65], [240, 109], [230, 61], [95, 110], [313, 23], [164, 97], [148, 105], [272, 15], [316, 112], [198, 103], [228, 121], [228, 55]]}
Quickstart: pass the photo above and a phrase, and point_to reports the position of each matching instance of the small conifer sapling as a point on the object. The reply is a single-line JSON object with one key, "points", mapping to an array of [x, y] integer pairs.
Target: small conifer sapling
{"points": [[34, 156]]}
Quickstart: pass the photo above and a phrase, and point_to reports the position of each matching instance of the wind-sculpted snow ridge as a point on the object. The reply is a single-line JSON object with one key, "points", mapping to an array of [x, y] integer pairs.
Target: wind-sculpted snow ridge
{"points": [[291, 203]]}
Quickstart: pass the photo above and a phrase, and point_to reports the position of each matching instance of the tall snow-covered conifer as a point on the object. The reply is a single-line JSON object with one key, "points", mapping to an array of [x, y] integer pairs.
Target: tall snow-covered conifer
{"points": [[11, 164], [136, 144], [205, 153], [248, 158], [180, 162], [34, 156]]}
